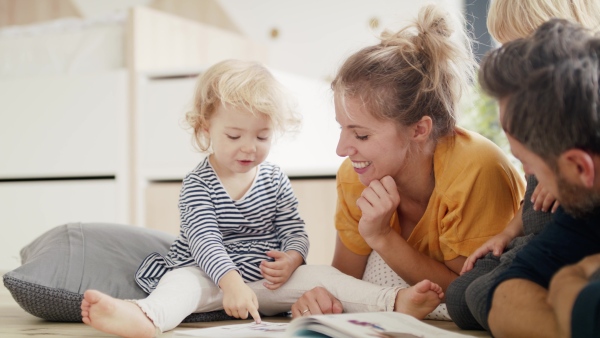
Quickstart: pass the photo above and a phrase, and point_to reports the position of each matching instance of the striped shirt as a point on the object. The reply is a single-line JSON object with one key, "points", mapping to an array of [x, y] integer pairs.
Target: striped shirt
{"points": [[220, 234]]}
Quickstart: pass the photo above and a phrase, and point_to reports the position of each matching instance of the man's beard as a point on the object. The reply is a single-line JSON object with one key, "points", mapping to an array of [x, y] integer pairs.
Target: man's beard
{"points": [[578, 201]]}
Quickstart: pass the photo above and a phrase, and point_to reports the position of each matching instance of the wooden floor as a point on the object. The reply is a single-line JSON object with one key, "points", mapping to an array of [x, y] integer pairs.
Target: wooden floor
{"points": [[16, 323]]}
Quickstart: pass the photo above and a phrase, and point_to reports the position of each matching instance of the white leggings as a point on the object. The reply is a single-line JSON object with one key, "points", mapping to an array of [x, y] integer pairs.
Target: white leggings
{"points": [[187, 290]]}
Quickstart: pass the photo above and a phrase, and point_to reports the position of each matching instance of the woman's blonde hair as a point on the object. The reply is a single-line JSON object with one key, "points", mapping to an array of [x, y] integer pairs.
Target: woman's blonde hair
{"points": [[421, 70], [513, 19], [242, 84]]}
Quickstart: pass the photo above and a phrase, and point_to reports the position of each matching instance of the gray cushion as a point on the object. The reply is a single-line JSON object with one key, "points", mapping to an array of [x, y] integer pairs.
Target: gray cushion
{"points": [[62, 263]]}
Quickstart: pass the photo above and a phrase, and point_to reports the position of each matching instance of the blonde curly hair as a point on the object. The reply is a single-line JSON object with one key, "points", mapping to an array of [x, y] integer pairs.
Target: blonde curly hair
{"points": [[243, 84]]}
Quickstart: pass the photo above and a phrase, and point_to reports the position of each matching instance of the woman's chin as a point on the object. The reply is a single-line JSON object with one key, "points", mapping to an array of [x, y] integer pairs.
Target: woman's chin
{"points": [[365, 179]]}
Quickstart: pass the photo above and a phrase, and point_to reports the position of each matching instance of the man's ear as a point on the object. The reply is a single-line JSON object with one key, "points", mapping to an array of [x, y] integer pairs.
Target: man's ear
{"points": [[578, 165], [422, 129]]}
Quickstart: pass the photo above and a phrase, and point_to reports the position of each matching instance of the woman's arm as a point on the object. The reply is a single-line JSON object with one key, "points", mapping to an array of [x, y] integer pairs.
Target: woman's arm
{"points": [[413, 266], [347, 261]]}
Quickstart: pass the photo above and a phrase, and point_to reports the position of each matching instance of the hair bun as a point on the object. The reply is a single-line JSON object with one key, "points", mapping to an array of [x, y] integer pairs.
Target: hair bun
{"points": [[389, 38], [432, 19], [441, 27]]}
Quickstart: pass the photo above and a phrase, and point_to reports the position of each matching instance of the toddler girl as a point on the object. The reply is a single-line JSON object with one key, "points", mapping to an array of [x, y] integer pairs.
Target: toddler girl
{"points": [[239, 217]]}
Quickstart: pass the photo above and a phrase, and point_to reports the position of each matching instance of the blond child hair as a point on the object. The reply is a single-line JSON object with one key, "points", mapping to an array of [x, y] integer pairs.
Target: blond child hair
{"points": [[246, 85], [512, 19]]}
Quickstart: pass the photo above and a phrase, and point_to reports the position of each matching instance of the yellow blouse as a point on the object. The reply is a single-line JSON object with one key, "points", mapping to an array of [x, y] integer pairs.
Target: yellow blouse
{"points": [[477, 192]]}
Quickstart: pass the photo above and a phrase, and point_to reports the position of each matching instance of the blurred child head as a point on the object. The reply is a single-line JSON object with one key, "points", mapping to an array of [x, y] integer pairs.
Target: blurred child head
{"points": [[513, 19]]}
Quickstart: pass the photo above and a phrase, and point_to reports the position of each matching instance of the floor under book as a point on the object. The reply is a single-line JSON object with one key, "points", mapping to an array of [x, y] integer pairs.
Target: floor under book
{"points": [[15, 322]]}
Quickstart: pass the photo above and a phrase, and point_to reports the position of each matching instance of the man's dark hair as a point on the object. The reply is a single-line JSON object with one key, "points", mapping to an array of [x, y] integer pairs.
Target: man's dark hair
{"points": [[550, 82]]}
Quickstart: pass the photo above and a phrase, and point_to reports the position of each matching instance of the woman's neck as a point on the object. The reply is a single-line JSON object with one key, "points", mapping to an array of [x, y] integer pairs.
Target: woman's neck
{"points": [[415, 187], [417, 181]]}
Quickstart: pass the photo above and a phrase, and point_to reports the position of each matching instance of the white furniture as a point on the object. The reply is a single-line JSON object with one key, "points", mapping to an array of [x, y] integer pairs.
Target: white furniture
{"points": [[61, 154], [96, 134]]}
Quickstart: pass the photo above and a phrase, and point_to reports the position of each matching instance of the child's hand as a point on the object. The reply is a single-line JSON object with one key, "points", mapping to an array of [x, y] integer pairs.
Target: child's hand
{"points": [[278, 272], [542, 199], [495, 244], [239, 300]]}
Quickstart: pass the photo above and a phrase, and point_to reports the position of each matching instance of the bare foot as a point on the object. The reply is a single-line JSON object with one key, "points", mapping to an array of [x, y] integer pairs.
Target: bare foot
{"points": [[420, 299], [115, 316]]}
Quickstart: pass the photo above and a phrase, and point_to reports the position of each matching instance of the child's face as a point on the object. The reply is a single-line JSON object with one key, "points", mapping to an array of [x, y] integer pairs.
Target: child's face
{"points": [[239, 139]]}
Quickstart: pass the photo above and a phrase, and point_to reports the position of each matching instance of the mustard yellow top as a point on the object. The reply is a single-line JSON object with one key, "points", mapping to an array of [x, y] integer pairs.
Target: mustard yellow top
{"points": [[477, 192]]}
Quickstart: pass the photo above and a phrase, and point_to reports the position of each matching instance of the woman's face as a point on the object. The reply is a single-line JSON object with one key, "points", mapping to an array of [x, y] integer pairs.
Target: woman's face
{"points": [[377, 148]]}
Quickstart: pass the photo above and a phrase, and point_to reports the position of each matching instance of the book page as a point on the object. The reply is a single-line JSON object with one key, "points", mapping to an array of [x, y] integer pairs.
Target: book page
{"points": [[372, 324], [248, 330]]}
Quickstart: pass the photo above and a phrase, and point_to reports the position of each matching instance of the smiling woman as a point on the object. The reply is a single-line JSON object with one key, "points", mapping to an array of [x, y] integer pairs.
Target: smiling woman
{"points": [[417, 194]]}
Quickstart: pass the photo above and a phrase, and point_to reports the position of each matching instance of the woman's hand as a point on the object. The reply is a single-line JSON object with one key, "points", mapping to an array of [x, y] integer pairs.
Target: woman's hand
{"points": [[543, 200], [496, 244], [278, 272], [377, 203], [315, 302], [238, 299]]}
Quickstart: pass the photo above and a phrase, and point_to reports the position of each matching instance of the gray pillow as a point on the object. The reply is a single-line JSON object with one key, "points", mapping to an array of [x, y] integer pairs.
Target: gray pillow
{"points": [[62, 263]]}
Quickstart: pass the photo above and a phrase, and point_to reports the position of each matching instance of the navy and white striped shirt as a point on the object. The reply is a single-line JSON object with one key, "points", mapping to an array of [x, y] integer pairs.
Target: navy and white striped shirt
{"points": [[219, 234]]}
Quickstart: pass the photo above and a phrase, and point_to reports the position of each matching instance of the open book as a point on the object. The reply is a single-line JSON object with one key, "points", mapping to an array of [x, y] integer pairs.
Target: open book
{"points": [[371, 324]]}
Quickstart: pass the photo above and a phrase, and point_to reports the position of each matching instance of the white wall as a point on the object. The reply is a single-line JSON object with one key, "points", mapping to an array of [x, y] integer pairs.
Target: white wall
{"points": [[315, 36]]}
